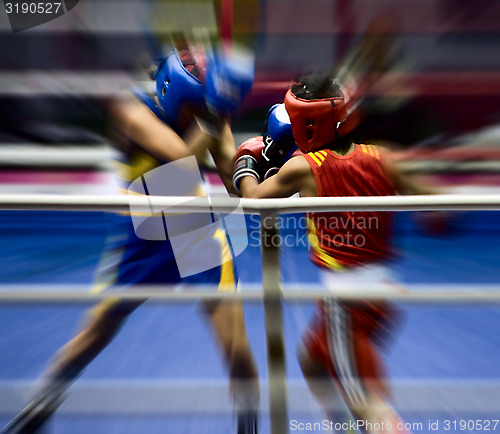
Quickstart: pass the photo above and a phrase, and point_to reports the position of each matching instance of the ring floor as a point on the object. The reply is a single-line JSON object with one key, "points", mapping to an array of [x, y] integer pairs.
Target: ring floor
{"points": [[154, 376]]}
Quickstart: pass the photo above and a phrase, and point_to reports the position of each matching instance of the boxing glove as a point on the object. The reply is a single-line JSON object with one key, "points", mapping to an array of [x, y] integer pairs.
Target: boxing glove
{"points": [[247, 160], [229, 79]]}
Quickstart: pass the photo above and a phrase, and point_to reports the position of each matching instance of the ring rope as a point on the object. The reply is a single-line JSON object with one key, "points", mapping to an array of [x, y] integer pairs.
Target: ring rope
{"points": [[452, 294], [120, 203]]}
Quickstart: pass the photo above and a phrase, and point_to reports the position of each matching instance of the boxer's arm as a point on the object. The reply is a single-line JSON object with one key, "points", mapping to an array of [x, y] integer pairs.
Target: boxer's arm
{"points": [[223, 152], [139, 124], [405, 184], [295, 176]]}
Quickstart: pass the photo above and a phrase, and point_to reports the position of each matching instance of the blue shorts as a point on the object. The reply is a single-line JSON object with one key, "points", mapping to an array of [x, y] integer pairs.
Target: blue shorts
{"points": [[128, 260]]}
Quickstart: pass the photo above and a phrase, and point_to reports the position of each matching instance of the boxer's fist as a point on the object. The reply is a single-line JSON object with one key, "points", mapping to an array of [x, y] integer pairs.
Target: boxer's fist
{"points": [[229, 79], [247, 160]]}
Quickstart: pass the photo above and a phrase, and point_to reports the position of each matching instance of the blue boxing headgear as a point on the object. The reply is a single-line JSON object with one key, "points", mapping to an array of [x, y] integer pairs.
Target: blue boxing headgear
{"points": [[277, 124], [279, 130], [176, 86]]}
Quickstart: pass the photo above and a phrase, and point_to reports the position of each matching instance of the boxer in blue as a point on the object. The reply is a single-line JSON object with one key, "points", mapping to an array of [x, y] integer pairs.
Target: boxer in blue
{"points": [[187, 116]]}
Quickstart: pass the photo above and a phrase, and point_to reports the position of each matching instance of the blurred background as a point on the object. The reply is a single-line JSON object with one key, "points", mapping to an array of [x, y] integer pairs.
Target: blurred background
{"points": [[431, 78], [430, 70]]}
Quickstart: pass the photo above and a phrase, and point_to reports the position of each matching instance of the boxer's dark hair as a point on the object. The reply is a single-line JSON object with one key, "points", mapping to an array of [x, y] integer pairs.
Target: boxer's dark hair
{"points": [[316, 86]]}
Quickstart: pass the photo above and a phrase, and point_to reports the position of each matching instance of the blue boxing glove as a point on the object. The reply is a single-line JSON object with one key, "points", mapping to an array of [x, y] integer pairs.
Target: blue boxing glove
{"points": [[279, 144], [229, 79]]}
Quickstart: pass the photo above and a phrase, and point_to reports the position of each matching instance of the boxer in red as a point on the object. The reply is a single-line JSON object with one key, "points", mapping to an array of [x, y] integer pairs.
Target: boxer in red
{"points": [[340, 347]]}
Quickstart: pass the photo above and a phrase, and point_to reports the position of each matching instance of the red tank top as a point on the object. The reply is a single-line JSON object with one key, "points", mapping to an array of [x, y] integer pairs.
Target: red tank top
{"points": [[344, 239]]}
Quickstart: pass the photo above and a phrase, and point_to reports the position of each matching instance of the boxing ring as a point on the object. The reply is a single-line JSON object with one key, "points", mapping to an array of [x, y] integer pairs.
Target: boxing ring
{"points": [[277, 395]]}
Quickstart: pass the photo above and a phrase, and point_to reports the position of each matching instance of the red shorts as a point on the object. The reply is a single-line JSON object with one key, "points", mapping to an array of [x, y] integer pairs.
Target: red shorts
{"points": [[345, 339]]}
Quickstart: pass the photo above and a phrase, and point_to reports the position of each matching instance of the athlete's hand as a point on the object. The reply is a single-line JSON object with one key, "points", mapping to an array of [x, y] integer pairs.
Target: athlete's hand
{"points": [[229, 79], [247, 159]]}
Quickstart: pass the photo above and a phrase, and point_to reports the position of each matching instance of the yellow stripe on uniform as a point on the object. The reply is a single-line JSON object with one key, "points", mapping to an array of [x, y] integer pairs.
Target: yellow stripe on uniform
{"points": [[109, 261], [141, 163], [104, 306], [122, 170], [370, 150], [376, 151], [227, 278], [320, 156], [315, 159], [366, 150], [107, 267], [105, 281], [320, 252], [323, 152]]}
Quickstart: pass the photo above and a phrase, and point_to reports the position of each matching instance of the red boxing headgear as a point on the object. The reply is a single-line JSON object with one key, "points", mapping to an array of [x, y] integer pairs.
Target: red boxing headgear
{"points": [[317, 122]]}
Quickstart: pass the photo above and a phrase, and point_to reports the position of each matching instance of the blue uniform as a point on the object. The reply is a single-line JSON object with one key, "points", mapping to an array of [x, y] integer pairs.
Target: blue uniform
{"points": [[130, 260]]}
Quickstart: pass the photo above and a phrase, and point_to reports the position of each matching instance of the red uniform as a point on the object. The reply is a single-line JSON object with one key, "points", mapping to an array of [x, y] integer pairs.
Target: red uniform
{"points": [[342, 335], [350, 238]]}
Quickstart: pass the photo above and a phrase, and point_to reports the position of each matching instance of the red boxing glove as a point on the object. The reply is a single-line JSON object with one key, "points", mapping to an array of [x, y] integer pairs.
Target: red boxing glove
{"points": [[246, 160]]}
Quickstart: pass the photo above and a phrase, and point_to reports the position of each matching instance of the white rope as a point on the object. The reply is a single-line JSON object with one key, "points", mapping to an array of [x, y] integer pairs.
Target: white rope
{"points": [[120, 203], [447, 294], [62, 156]]}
